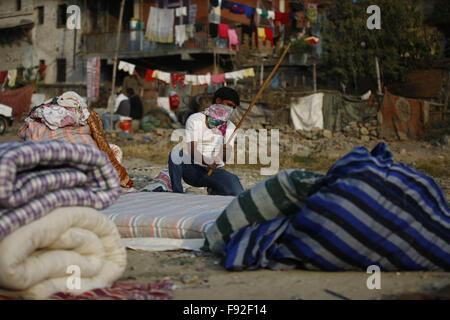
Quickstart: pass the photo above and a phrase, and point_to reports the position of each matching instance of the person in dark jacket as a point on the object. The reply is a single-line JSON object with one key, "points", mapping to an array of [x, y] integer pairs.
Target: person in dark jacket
{"points": [[136, 108]]}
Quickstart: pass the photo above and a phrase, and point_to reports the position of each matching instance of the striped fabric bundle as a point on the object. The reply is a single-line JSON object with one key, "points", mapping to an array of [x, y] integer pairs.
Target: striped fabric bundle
{"points": [[37, 177], [37, 131], [371, 210], [279, 196]]}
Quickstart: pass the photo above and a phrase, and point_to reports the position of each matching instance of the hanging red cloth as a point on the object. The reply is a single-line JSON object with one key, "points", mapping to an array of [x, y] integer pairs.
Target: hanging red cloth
{"points": [[282, 17], [269, 36], [149, 75], [3, 75], [223, 30], [177, 77]]}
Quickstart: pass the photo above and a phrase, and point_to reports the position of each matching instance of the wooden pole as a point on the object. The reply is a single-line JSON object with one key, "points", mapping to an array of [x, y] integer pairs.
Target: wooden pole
{"points": [[314, 76], [256, 99], [116, 53], [377, 66]]}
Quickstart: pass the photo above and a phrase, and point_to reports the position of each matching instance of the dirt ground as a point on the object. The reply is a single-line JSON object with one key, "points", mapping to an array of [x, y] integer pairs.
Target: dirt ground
{"points": [[199, 276]]}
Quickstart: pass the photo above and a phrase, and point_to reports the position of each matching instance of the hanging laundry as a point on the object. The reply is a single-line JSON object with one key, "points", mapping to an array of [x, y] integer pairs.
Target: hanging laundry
{"points": [[204, 79], [271, 14], [235, 75], [180, 34], [190, 31], [178, 77], [155, 74], [237, 8], [92, 78], [181, 11], [233, 40], [149, 75], [269, 36], [191, 79], [283, 18], [12, 76], [127, 67], [255, 31], [249, 73], [218, 78], [258, 11], [214, 14], [192, 13], [164, 76], [264, 14], [311, 14], [160, 25], [223, 30], [213, 30], [249, 11], [3, 76], [261, 33]]}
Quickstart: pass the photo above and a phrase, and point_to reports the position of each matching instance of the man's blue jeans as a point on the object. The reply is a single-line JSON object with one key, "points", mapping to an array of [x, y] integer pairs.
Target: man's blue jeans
{"points": [[221, 182], [106, 119]]}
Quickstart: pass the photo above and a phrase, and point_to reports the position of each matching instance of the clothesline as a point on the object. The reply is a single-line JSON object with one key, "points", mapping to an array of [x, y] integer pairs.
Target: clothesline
{"points": [[193, 79]]}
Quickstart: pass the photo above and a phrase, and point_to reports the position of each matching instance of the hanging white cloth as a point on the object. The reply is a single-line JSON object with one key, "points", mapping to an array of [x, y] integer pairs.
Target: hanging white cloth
{"points": [[160, 25], [182, 11], [164, 76], [306, 112], [180, 34], [127, 67]]}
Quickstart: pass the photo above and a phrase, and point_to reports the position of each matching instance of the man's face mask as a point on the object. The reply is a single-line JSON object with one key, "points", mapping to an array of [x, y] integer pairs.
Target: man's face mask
{"points": [[218, 114]]}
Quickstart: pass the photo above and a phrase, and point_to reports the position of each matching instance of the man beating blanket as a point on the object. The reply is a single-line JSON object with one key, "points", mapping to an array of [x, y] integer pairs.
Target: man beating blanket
{"points": [[205, 147]]}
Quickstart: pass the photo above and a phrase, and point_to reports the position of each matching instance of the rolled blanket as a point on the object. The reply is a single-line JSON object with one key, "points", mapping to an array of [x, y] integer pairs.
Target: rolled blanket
{"points": [[37, 177], [72, 250]]}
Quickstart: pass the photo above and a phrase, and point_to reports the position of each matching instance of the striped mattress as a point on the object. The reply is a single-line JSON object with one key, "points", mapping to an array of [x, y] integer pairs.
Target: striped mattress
{"points": [[165, 214]]}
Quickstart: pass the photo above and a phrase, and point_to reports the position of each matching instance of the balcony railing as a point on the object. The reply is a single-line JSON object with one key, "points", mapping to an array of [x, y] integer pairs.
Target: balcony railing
{"points": [[135, 42]]}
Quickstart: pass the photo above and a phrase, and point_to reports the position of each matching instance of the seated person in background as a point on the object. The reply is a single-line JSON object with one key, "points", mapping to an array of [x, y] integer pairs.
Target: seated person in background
{"points": [[136, 108], [121, 108], [207, 133]]}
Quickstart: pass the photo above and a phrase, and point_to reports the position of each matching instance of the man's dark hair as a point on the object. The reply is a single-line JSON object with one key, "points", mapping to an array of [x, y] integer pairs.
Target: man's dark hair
{"points": [[226, 93], [130, 91]]}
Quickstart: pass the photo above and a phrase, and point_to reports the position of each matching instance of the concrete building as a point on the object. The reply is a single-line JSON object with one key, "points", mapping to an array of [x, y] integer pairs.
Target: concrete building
{"points": [[34, 33]]}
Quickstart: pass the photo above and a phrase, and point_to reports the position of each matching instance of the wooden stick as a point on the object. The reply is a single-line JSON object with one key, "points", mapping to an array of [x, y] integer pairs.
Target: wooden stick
{"points": [[116, 52], [255, 99]]}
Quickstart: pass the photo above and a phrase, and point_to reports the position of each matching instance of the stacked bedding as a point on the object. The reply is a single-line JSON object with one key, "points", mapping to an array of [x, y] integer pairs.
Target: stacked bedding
{"points": [[50, 196]]}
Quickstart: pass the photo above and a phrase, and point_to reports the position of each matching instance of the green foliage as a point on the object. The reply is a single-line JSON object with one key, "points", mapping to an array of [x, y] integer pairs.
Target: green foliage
{"points": [[300, 46], [350, 47]]}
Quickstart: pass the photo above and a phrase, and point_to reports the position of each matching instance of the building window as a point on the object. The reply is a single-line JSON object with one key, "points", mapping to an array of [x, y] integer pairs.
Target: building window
{"points": [[62, 16], [40, 14], [19, 5], [60, 70]]}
